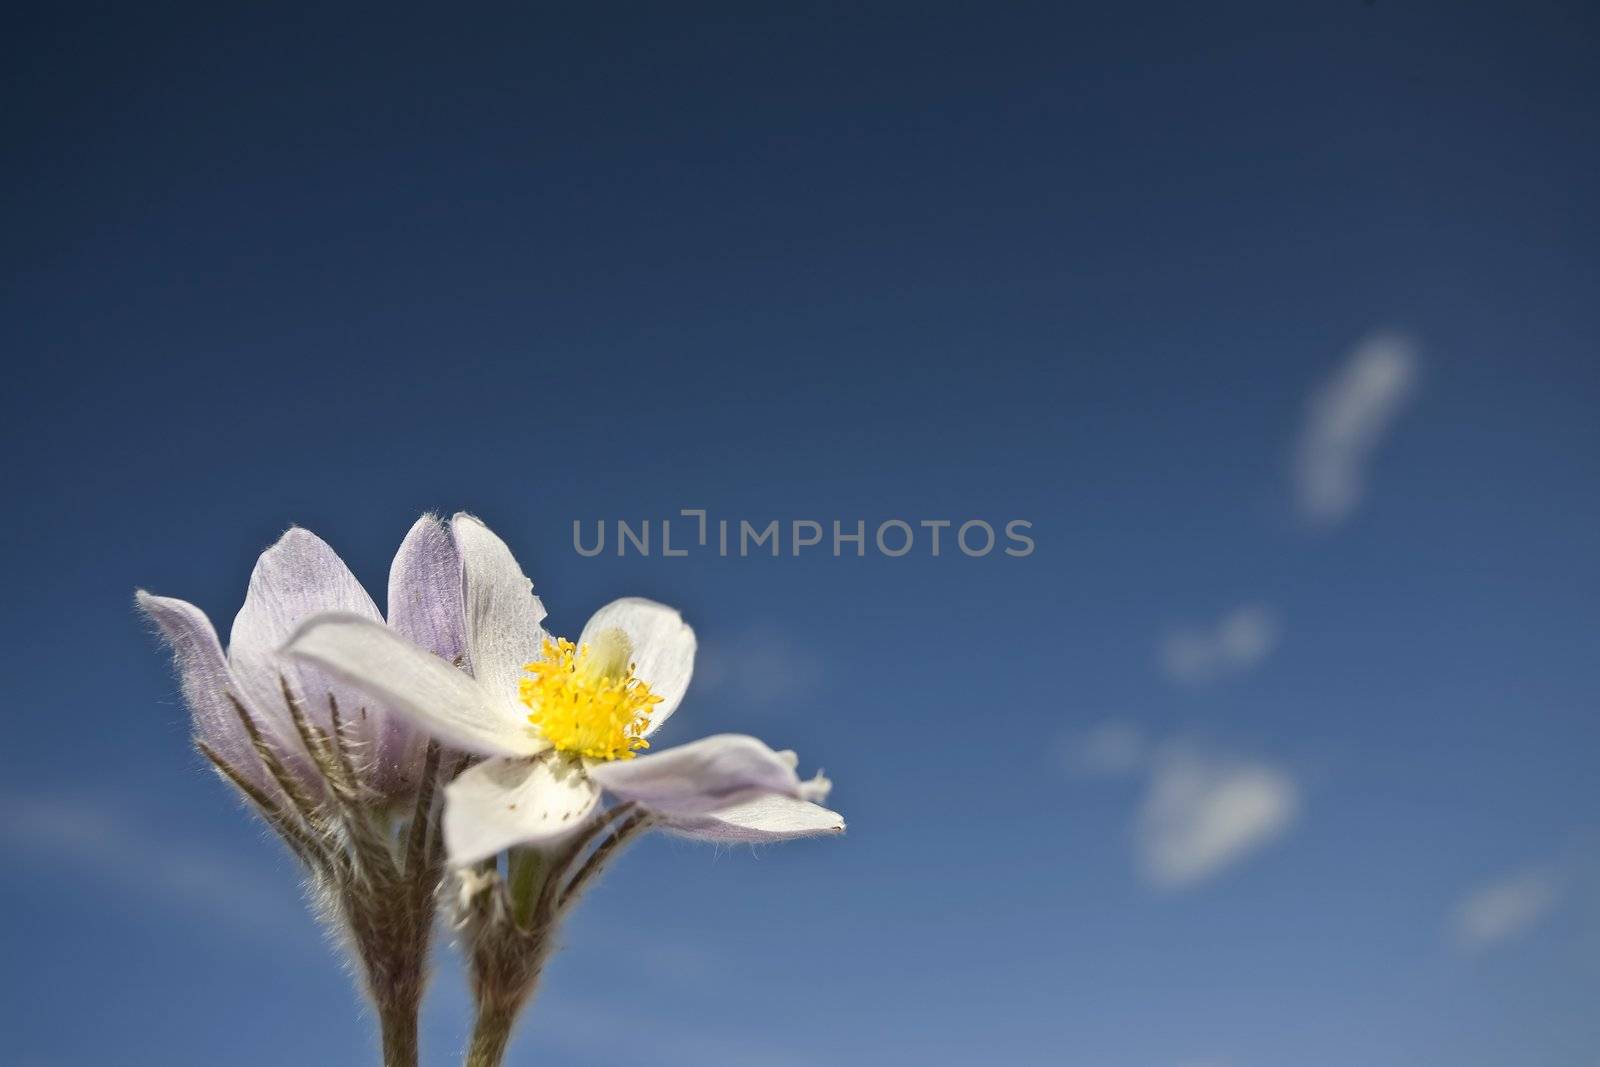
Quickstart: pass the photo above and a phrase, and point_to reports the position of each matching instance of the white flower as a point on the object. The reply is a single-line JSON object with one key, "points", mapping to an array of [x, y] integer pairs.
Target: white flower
{"points": [[562, 721]]}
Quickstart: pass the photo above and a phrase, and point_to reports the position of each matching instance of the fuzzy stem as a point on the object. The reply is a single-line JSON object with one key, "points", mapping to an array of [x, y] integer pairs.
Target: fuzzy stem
{"points": [[505, 968], [399, 1023], [509, 951], [491, 1032]]}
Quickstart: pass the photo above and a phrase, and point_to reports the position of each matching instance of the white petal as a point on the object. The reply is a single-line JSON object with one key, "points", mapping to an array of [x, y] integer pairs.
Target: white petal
{"points": [[765, 819], [503, 615], [298, 577], [702, 776], [816, 788], [441, 699], [506, 802], [663, 648]]}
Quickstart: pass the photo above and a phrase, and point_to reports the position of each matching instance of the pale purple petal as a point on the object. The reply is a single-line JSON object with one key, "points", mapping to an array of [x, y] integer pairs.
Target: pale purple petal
{"points": [[206, 680], [702, 776], [502, 614], [440, 698], [425, 591], [505, 802], [295, 579], [765, 820], [425, 607], [663, 649]]}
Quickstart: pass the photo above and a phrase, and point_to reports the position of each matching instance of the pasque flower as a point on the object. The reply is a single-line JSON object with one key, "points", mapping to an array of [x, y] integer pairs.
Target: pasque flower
{"points": [[340, 727], [561, 722], [347, 784]]}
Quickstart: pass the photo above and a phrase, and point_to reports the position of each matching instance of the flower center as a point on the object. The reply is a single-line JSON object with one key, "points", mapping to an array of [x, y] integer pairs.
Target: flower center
{"points": [[586, 700]]}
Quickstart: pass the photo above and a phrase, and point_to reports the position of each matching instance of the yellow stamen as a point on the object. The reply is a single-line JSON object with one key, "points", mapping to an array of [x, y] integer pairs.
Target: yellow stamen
{"points": [[586, 701]]}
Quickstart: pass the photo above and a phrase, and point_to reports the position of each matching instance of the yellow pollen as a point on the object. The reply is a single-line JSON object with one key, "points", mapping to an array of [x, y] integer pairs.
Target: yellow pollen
{"points": [[586, 700]]}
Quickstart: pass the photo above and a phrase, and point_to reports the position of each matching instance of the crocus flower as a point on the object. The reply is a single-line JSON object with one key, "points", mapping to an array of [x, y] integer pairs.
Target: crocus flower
{"points": [[561, 721], [297, 578]]}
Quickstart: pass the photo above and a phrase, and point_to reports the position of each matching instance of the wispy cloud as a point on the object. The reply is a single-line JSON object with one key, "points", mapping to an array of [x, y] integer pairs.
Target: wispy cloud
{"points": [[1203, 812], [1347, 419], [1112, 749], [1500, 910], [105, 840], [1238, 641], [759, 669]]}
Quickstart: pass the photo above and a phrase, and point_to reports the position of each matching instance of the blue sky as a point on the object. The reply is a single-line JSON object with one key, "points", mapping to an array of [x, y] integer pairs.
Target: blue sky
{"points": [[1276, 323]]}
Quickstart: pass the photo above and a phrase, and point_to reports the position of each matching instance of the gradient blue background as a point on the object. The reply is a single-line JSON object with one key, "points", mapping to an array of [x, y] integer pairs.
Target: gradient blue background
{"points": [[1083, 266]]}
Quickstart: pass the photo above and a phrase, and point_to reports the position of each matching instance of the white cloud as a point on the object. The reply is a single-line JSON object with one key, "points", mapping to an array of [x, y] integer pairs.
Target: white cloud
{"points": [[1110, 750], [1500, 910], [104, 840], [1203, 812], [761, 668], [1238, 641], [1346, 421]]}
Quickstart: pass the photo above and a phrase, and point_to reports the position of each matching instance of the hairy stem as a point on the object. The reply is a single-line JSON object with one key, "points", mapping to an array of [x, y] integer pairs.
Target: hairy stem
{"points": [[491, 1031], [399, 1024], [505, 971], [514, 937], [388, 904]]}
